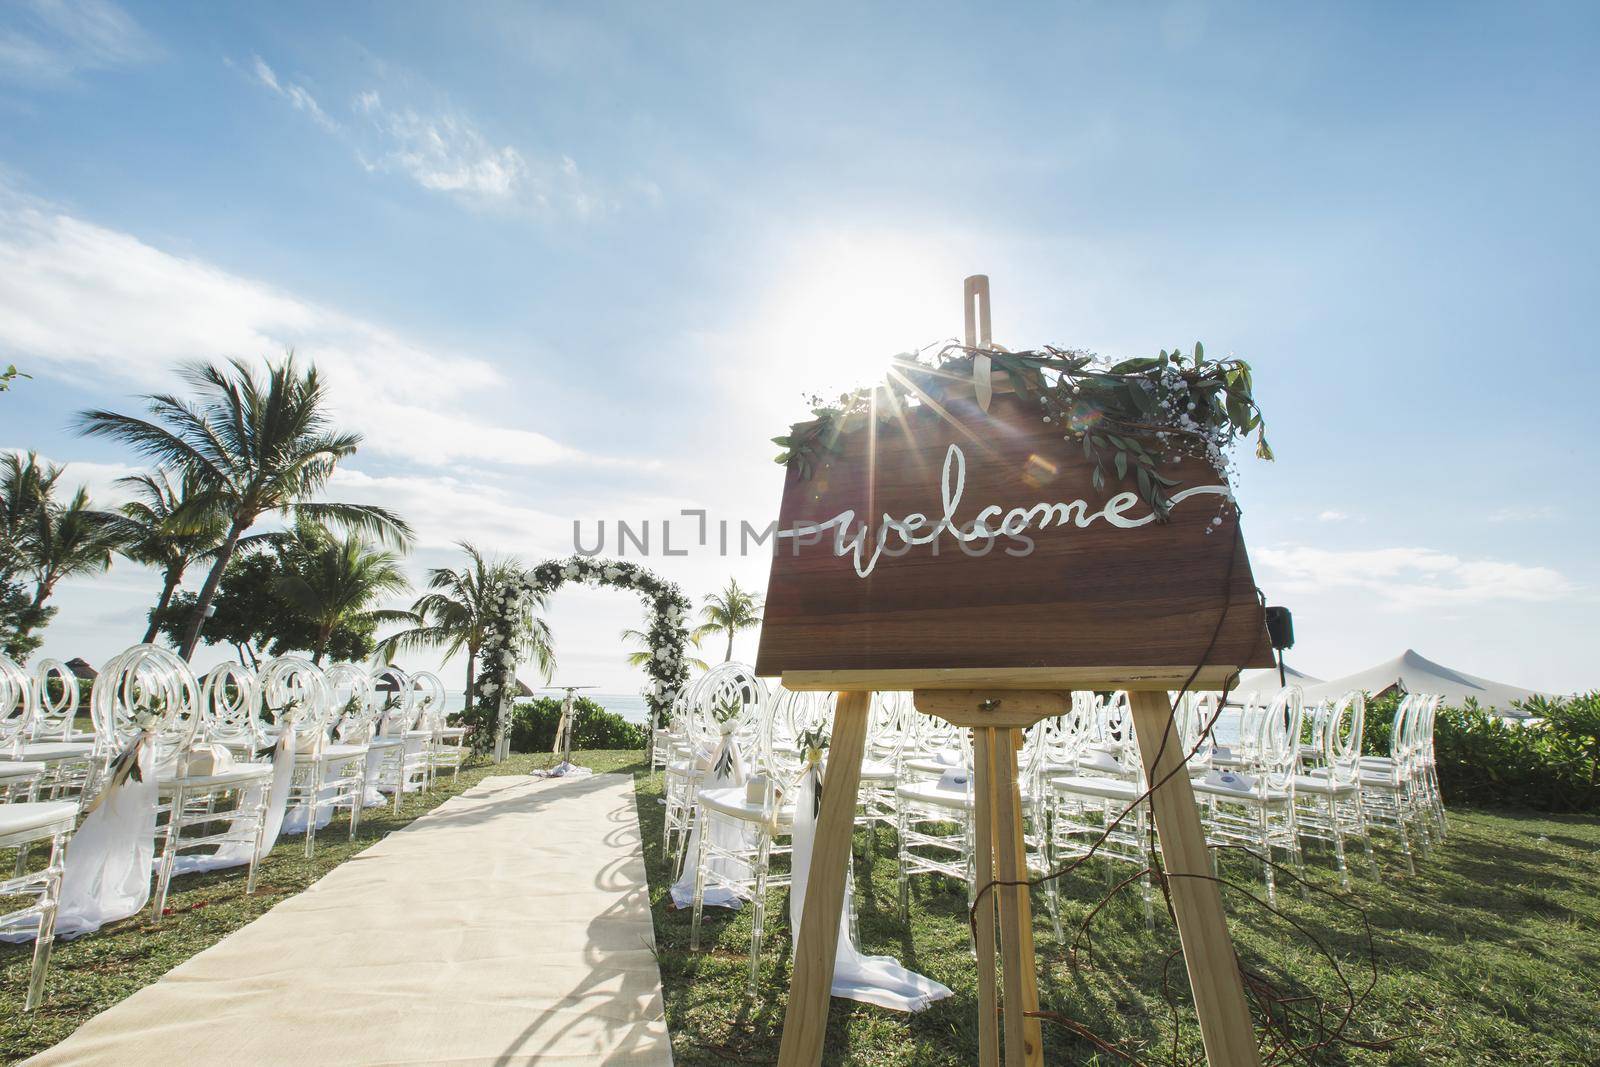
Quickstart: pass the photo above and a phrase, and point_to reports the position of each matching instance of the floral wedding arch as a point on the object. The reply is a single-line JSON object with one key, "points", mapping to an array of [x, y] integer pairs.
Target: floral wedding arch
{"points": [[505, 639]]}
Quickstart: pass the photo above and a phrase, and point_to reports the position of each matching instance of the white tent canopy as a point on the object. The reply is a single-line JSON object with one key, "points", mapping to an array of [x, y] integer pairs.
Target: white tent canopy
{"points": [[1266, 682], [1415, 674]]}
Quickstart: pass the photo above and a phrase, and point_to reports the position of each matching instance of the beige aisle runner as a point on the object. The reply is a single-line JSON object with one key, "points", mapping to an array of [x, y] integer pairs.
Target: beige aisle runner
{"points": [[511, 925]]}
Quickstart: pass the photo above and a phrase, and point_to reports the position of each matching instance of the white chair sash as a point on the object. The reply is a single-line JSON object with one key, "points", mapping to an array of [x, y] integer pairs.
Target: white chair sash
{"points": [[877, 980]]}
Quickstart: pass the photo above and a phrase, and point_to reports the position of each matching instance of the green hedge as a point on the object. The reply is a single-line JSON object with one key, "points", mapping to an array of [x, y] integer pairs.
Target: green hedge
{"points": [[1550, 765], [533, 726]]}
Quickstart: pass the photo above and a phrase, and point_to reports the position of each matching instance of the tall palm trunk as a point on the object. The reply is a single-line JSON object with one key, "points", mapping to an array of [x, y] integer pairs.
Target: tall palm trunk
{"points": [[729, 657], [167, 587], [197, 619], [41, 593], [472, 674]]}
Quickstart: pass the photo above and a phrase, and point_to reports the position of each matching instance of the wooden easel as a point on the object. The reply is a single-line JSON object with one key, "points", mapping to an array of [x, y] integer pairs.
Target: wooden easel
{"points": [[997, 704]]}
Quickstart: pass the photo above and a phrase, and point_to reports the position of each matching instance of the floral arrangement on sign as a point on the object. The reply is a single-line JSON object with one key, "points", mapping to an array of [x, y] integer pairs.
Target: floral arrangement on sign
{"points": [[505, 636], [1130, 418]]}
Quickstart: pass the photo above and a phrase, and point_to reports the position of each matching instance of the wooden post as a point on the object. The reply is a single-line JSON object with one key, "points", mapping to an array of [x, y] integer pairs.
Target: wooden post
{"points": [[805, 1021], [975, 296], [1024, 1044], [1214, 978], [502, 734], [983, 841]]}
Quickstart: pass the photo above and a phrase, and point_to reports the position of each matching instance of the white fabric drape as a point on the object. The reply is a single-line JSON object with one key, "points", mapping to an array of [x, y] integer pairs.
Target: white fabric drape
{"points": [[237, 853], [877, 980], [106, 873], [729, 834], [373, 798]]}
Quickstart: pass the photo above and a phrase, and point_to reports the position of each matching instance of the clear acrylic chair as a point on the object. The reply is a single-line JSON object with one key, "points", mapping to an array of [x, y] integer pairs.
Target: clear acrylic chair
{"points": [[1093, 803], [231, 706], [1328, 793], [395, 761], [1254, 806], [446, 748], [328, 774], [203, 800], [738, 828], [934, 798], [42, 732], [1390, 794], [23, 824]]}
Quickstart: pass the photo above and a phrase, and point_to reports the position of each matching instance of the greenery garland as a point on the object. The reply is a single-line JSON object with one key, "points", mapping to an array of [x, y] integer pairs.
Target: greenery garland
{"points": [[505, 636], [1130, 418]]}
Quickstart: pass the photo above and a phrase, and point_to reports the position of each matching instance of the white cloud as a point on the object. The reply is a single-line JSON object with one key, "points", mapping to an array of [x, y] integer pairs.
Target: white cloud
{"points": [[444, 151], [447, 153], [445, 509], [53, 40], [297, 95], [1410, 577], [1332, 516], [78, 298]]}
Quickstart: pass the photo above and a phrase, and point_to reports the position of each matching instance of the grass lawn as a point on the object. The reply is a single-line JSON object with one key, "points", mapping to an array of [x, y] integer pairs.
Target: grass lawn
{"points": [[1490, 954]]}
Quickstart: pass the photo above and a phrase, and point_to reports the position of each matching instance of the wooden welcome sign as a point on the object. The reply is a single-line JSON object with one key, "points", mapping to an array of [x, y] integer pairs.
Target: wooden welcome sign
{"points": [[966, 555], [962, 540]]}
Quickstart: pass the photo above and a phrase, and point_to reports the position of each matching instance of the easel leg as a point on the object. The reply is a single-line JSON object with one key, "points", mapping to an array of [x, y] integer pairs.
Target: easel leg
{"points": [[1219, 999], [805, 1021], [983, 843], [1023, 1043]]}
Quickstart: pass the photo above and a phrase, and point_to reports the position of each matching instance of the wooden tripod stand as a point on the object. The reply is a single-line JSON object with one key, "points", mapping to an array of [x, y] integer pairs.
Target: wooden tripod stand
{"points": [[996, 715]]}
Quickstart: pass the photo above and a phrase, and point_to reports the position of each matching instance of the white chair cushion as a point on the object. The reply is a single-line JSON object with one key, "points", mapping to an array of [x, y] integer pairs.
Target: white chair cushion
{"points": [[934, 794], [1322, 784], [386, 742], [44, 816], [1103, 763], [876, 771], [1104, 788], [1371, 779], [55, 751], [1238, 787], [685, 769], [333, 752], [453, 731], [238, 774], [733, 802], [12, 771]]}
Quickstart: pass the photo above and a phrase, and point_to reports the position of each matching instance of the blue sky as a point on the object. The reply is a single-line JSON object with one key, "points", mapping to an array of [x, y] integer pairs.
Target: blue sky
{"points": [[582, 261]]}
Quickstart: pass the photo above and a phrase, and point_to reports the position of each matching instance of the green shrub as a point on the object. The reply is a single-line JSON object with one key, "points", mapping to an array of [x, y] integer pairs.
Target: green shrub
{"points": [[1552, 764], [533, 726]]}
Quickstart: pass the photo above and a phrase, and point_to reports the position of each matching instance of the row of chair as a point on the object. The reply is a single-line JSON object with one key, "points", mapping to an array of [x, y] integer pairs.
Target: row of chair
{"points": [[1289, 772], [234, 754]]}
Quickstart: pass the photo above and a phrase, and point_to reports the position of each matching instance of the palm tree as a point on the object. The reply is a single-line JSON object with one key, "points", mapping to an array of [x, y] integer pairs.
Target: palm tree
{"points": [[258, 446], [68, 540], [25, 485], [641, 657], [729, 611], [167, 528], [454, 612], [335, 582]]}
